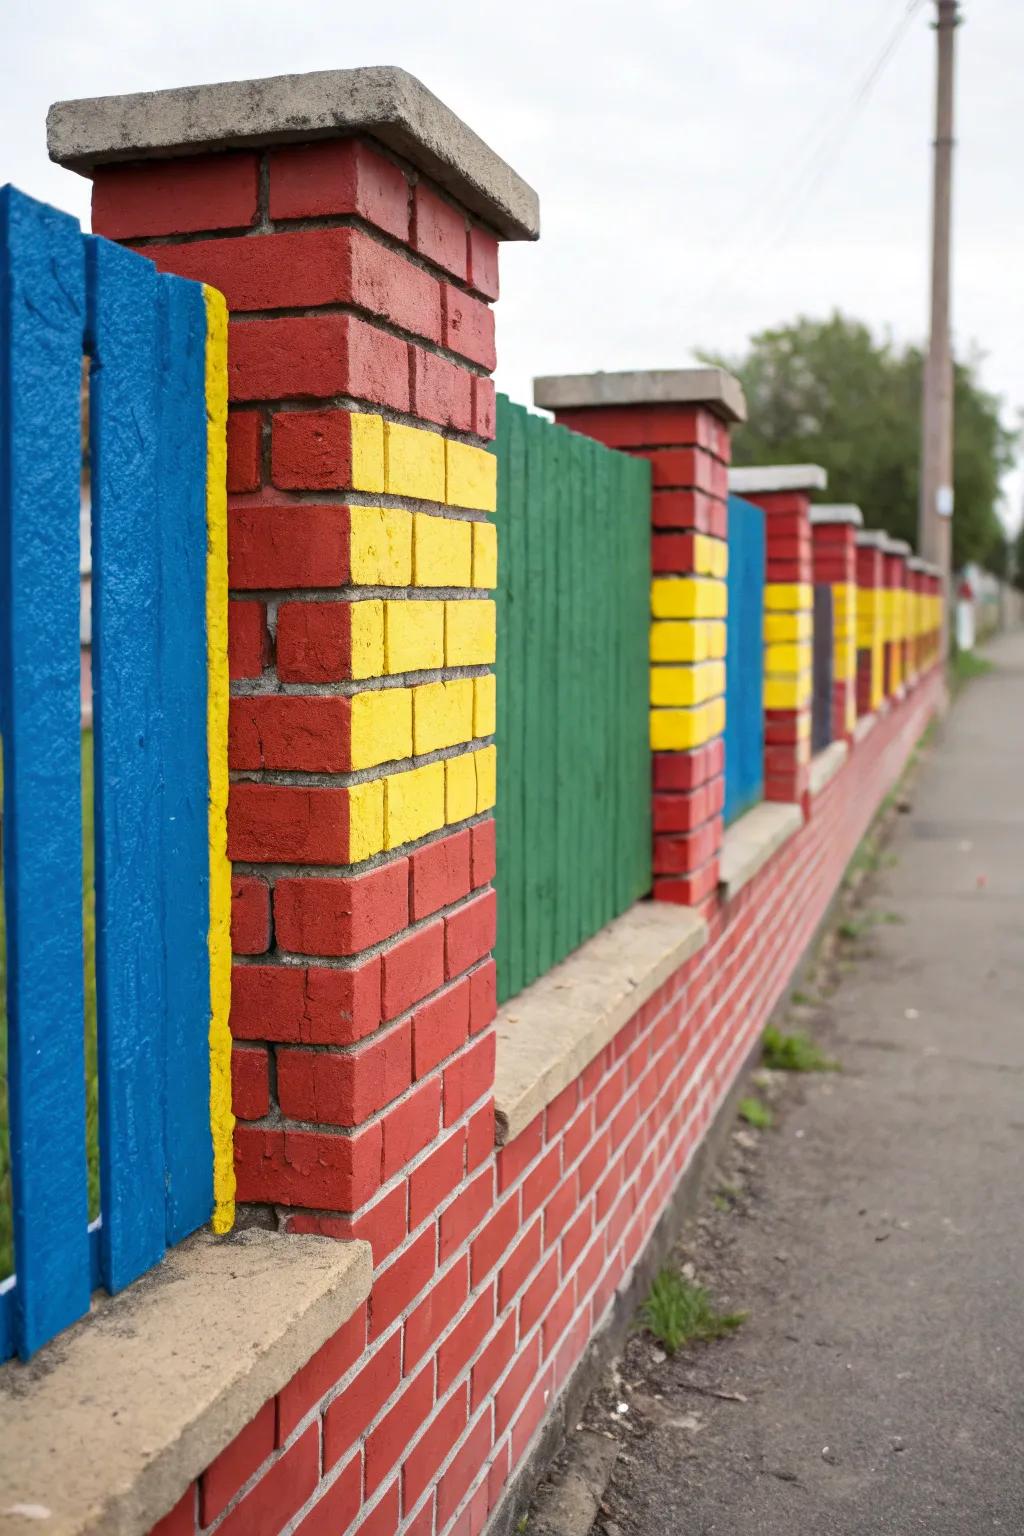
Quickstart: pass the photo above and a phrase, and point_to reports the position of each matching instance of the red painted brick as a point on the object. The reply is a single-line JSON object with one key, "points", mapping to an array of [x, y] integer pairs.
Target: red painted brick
{"points": [[493, 1361], [244, 448], [483, 261], [456, 1351], [468, 327], [652, 426], [679, 854], [483, 855], [337, 1506], [440, 1027], [466, 1213], [483, 996], [311, 450], [439, 874], [383, 1224], [250, 1083], [520, 1264], [514, 1158], [289, 731], [341, 916], [327, 1088], [541, 1181], [250, 915], [480, 1136], [442, 392], [387, 1443], [531, 1415], [484, 407], [411, 1126], [576, 1237], [559, 1210], [236, 1464], [319, 1375], [468, 1077], [314, 642], [537, 1296], [355, 1408], [291, 546], [181, 1520], [513, 1389], [327, 1172], [438, 1176], [248, 643], [313, 356], [412, 969], [469, 933], [456, 1481], [287, 824], [423, 1460], [339, 176], [317, 1005], [492, 1242], [280, 1493], [175, 197], [690, 889], [428, 1321], [383, 1519], [439, 231]]}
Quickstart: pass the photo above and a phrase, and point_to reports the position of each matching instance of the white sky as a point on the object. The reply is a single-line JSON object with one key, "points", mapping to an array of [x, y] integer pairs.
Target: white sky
{"points": [[671, 142]]}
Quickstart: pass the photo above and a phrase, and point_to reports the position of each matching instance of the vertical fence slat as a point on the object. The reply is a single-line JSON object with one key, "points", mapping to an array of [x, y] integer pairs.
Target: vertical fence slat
{"points": [[124, 319], [181, 530], [42, 315], [744, 705]]}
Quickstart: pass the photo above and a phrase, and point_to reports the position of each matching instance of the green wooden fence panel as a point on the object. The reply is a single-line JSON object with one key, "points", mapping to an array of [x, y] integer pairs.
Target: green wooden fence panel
{"points": [[574, 767]]}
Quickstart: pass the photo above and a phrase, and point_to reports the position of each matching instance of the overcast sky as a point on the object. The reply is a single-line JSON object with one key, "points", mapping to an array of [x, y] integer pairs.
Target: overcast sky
{"points": [[701, 171]]}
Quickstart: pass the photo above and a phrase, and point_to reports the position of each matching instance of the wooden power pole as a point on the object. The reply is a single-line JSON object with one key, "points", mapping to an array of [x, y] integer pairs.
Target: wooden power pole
{"points": [[935, 514]]}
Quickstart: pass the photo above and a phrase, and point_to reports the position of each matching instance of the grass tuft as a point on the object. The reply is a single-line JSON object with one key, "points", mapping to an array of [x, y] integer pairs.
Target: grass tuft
{"points": [[677, 1311], [796, 1052], [756, 1113]]}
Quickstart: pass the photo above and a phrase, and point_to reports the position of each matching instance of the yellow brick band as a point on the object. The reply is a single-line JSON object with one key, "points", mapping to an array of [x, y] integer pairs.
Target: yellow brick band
{"points": [[787, 627], [414, 804], [788, 692], [442, 551], [470, 632], [788, 596], [367, 453], [414, 462], [486, 778], [460, 787], [484, 705], [366, 625], [380, 553], [788, 660], [365, 820], [680, 730], [381, 727], [688, 597], [710, 556], [442, 715], [472, 477], [687, 685], [688, 640], [413, 635], [485, 556]]}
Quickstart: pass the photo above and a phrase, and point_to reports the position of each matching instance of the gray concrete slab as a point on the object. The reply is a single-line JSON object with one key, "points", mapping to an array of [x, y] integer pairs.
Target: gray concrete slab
{"points": [[879, 1241]]}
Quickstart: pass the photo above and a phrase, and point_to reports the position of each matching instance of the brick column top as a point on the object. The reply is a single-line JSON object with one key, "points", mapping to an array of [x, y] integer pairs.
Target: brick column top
{"points": [[767, 479], [837, 512], [387, 103], [872, 538], [712, 388], [896, 547]]}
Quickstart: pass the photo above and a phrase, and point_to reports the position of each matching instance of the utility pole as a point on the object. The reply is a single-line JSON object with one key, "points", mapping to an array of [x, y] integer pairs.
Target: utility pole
{"points": [[935, 514]]}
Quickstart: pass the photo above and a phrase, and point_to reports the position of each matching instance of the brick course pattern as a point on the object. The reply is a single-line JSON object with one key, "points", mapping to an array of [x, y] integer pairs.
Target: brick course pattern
{"points": [[870, 625], [835, 566]]}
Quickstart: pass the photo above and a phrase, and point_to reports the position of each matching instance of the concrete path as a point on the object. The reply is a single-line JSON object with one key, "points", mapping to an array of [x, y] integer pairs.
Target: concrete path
{"points": [[878, 1241]]}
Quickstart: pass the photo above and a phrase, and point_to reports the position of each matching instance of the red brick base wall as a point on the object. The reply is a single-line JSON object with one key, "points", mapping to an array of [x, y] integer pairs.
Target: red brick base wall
{"points": [[416, 1414]]}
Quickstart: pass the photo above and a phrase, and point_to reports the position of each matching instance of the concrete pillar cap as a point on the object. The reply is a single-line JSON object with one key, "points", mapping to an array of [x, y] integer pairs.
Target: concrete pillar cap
{"points": [[872, 538], [720, 391], [896, 547], [763, 479], [837, 512], [382, 101]]}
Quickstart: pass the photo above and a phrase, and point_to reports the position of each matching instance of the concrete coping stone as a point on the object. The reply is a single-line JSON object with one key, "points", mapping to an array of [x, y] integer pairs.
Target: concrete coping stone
{"points": [[719, 390], [837, 512], [551, 1032], [109, 1424], [752, 840], [826, 764], [872, 538], [865, 725], [896, 547], [383, 101], [761, 479], [915, 563]]}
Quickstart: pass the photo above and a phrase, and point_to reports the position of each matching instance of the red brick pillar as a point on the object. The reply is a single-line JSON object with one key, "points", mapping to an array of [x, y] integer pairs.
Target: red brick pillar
{"points": [[355, 238], [680, 421], [870, 622], [783, 491], [894, 553], [834, 535]]}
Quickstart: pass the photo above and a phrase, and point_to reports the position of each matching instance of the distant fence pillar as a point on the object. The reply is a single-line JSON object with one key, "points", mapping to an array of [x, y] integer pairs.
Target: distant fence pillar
{"points": [[783, 491], [834, 532], [895, 554], [870, 622], [680, 421], [352, 222]]}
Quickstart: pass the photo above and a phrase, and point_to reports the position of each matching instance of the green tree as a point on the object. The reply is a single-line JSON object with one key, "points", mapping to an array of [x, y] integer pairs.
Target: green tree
{"points": [[828, 392]]}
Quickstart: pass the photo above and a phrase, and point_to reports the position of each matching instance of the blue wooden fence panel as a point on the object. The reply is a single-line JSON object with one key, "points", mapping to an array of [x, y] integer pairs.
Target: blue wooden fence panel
{"points": [[744, 705], [62, 295]]}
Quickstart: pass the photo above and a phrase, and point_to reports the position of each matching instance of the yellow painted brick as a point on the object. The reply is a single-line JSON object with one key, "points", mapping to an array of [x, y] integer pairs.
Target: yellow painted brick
{"points": [[442, 551], [365, 820], [680, 640], [788, 596], [366, 622], [679, 730], [486, 778], [716, 716], [442, 714], [367, 452], [381, 546], [688, 597], [717, 640], [470, 628], [719, 558], [460, 787], [413, 804], [485, 555], [484, 705], [788, 659], [381, 726], [787, 692], [787, 626], [472, 477], [675, 686], [413, 462], [413, 634]]}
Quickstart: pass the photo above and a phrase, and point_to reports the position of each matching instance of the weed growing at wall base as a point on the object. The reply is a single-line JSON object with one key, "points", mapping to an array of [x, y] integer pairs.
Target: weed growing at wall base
{"points": [[795, 1052], [678, 1311]]}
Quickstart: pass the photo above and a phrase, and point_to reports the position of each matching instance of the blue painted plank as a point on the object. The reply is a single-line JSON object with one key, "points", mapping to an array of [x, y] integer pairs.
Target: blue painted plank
{"points": [[744, 704], [181, 528], [42, 316], [124, 329]]}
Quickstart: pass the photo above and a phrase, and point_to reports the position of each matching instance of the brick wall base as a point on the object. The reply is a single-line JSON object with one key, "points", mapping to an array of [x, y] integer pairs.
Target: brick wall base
{"points": [[430, 1413]]}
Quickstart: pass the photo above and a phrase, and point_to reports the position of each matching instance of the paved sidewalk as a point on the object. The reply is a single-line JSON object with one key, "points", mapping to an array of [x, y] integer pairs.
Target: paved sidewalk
{"points": [[879, 1247]]}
